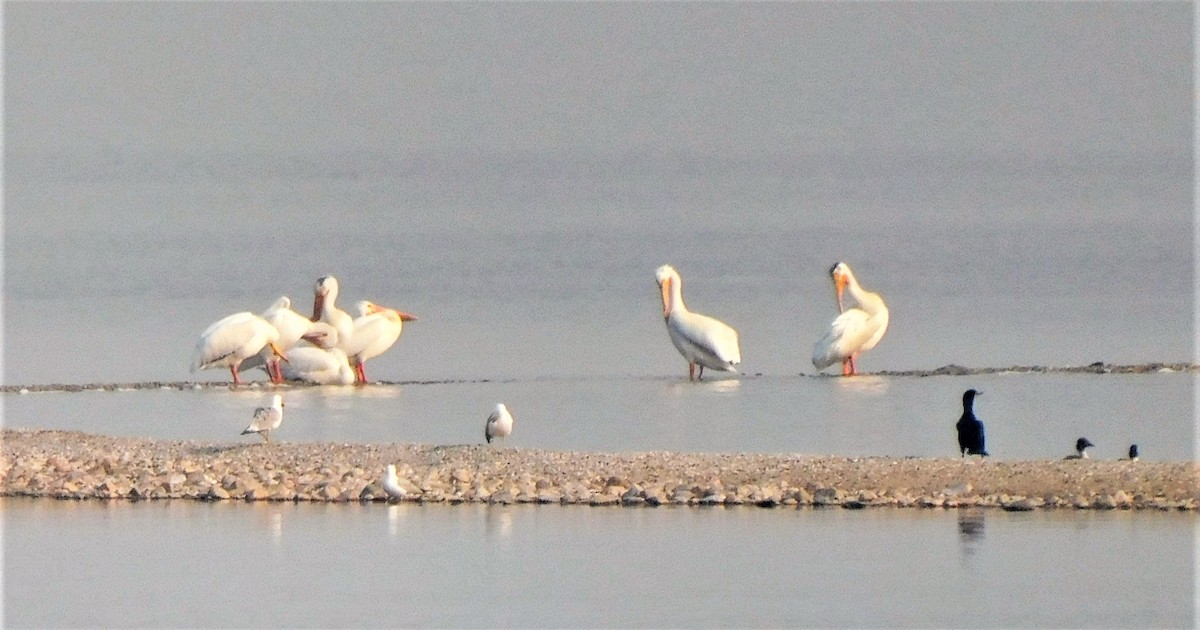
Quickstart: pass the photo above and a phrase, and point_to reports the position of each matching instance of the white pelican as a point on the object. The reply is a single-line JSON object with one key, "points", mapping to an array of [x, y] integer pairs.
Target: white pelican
{"points": [[267, 419], [325, 309], [233, 339], [292, 327], [499, 424], [391, 484], [318, 366], [702, 340], [855, 329], [375, 330]]}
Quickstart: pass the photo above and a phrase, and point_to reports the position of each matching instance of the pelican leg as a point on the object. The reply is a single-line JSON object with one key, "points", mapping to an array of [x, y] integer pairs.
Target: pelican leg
{"points": [[700, 376], [266, 437], [847, 370], [236, 379], [854, 364], [691, 371], [360, 374]]}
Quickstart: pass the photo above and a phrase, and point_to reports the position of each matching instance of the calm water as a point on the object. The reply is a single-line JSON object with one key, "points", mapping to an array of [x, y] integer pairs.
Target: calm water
{"points": [[182, 564], [1016, 180], [1028, 416], [539, 289]]}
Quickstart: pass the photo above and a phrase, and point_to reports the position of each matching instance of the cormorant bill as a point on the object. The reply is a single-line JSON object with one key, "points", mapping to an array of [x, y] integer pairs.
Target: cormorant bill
{"points": [[970, 429], [1080, 449]]}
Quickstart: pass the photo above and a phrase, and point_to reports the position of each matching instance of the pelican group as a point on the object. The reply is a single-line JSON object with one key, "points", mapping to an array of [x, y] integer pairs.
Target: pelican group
{"points": [[705, 342], [342, 344], [855, 330]]}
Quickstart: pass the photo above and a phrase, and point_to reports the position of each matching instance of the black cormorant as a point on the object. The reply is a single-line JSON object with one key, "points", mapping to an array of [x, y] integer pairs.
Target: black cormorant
{"points": [[970, 429]]}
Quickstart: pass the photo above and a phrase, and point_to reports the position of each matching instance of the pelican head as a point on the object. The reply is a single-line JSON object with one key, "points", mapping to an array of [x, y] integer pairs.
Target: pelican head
{"points": [[277, 352], [325, 289], [840, 272], [366, 307], [668, 281]]}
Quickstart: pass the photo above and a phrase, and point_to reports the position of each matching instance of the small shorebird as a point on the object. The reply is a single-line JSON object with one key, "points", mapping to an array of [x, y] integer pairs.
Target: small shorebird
{"points": [[855, 330], [705, 342], [1080, 449], [499, 423], [1133, 453], [267, 419], [970, 429], [391, 484]]}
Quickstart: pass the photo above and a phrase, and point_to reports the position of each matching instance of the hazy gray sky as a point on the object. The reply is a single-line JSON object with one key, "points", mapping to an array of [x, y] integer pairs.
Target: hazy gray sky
{"points": [[609, 78]]}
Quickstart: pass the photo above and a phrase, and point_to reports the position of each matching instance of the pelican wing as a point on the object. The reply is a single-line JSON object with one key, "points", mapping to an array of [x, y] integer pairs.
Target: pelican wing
{"points": [[290, 324], [847, 334], [704, 340], [231, 338], [262, 420], [373, 335], [315, 365]]}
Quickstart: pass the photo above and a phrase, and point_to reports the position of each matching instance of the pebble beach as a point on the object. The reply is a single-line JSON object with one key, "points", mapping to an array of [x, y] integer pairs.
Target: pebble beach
{"points": [[74, 465]]}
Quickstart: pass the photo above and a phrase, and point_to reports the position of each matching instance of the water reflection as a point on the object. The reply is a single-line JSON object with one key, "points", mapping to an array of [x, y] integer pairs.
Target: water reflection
{"points": [[275, 520], [723, 384], [498, 522], [970, 529], [863, 384], [393, 518]]}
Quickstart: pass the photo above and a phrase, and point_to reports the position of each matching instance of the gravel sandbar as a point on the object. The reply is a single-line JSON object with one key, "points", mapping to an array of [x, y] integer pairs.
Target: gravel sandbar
{"points": [[74, 465]]}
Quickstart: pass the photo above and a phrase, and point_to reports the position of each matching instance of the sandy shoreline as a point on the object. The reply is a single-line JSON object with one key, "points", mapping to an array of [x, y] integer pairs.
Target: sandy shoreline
{"points": [[73, 465]]}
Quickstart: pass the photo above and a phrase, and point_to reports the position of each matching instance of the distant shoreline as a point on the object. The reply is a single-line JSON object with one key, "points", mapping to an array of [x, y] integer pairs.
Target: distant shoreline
{"points": [[75, 465], [945, 370]]}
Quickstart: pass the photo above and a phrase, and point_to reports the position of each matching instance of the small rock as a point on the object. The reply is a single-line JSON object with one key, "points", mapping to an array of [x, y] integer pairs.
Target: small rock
{"points": [[1019, 505]]}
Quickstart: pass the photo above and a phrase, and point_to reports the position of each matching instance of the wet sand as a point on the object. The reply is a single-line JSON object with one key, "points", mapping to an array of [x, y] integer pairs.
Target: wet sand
{"points": [[73, 465]]}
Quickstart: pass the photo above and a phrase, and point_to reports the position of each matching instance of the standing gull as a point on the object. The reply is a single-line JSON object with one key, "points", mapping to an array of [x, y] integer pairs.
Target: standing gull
{"points": [[1081, 446], [391, 484], [856, 329], [267, 419], [970, 429], [499, 424], [705, 342]]}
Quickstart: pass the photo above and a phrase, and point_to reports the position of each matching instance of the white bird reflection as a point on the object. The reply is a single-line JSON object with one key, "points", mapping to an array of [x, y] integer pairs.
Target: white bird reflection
{"points": [[394, 517], [498, 522], [863, 384]]}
